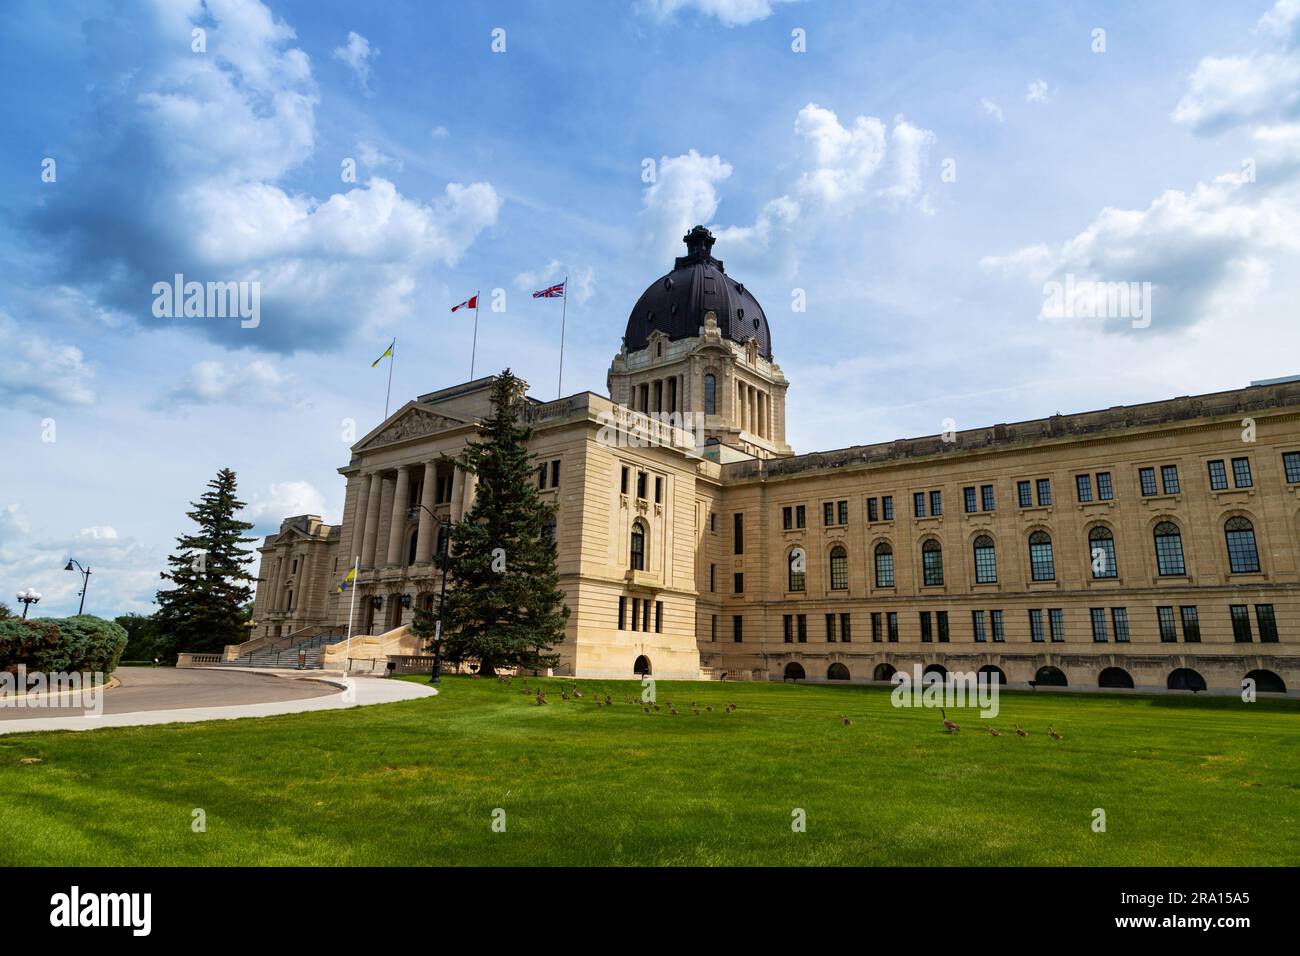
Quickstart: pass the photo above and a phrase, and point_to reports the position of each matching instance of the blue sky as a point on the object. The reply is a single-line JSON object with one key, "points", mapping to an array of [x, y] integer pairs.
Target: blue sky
{"points": [[1171, 157]]}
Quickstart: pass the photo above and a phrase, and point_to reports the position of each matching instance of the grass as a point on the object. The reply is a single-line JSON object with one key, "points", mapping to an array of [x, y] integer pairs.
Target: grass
{"points": [[1183, 781]]}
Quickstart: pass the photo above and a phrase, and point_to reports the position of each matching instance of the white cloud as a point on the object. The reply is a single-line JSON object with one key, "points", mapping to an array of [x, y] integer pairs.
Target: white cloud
{"points": [[211, 382], [98, 533], [732, 13], [683, 194], [582, 279], [439, 132], [284, 500], [373, 157], [13, 524], [39, 372], [991, 108], [1037, 92], [357, 54], [847, 162]]}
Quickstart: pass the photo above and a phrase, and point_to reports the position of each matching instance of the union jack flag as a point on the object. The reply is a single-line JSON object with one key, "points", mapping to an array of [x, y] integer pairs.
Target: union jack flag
{"points": [[551, 292]]}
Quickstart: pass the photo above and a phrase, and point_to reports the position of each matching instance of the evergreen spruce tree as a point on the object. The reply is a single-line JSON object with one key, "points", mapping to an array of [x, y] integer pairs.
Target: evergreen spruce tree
{"points": [[205, 610], [503, 606]]}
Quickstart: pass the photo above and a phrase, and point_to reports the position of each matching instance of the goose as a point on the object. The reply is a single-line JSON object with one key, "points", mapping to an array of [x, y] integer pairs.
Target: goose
{"points": [[1019, 732], [948, 725]]}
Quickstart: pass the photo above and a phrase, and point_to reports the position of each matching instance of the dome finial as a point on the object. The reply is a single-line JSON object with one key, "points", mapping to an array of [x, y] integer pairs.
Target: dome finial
{"points": [[699, 242]]}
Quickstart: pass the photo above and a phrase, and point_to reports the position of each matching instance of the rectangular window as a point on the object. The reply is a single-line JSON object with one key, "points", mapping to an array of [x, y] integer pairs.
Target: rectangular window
{"points": [[640, 485], [1191, 624], [802, 622], [800, 516], [1036, 625], [1023, 494], [830, 628], [1044, 492], [873, 510], [1240, 623], [845, 634], [622, 483], [737, 628], [876, 629], [1105, 490], [1056, 622], [918, 504], [1168, 633], [659, 617], [713, 576], [969, 495], [1147, 478], [843, 508], [999, 631], [713, 521], [636, 613], [713, 628], [659, 490], [738, 582], [891, 619], [738, 532], [1241, 472], [828, 513], [1083, 487], [555, 473], [941, 621], [887, 507], [1098, 624], [1267, 623], [622, 613], [645, 612], [977, 626], [541, 476], [1169, 479], [1119, 620], [986, 497], [926, 635], [787, 518], [1291, 465], [787, 628], [936, 503], [1218, 475]]}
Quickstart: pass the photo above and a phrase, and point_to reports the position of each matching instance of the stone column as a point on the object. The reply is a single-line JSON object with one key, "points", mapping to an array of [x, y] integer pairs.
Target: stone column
{"points": [[359, 518], [397, 525], [457, 493], [376, 492], [424, 537]]}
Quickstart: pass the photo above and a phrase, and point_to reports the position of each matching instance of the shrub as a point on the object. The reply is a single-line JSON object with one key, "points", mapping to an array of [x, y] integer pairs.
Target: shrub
{"points": [[52, 644]]}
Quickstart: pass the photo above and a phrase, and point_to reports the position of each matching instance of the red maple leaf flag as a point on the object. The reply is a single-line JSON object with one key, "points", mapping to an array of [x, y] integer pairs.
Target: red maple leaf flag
{"points": [[470, 303]]}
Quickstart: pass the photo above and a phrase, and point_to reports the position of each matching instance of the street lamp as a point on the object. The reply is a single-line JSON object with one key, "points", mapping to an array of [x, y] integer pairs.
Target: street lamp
{"points": [[28, 597], [85, 581], [435, 677]]}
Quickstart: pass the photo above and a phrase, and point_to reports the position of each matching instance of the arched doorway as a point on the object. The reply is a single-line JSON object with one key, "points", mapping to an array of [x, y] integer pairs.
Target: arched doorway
{"points": [[935, 669], [1266, 682], [794, 671], [884, 672], [1050, 677], [837, 671], [996, 674], [642, 666], [1184, 678], [1113, 677]]}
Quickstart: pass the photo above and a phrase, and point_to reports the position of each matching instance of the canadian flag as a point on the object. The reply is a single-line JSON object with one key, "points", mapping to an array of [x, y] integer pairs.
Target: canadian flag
{"points": [[470, 303]]}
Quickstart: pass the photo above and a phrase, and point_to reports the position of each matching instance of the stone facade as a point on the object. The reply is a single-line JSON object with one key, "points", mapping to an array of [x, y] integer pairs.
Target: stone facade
{"points": [[1092, 548]]}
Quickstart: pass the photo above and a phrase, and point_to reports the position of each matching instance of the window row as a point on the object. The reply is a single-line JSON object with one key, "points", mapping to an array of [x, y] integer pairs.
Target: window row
{"points": [[640, 619], [625, 482]]}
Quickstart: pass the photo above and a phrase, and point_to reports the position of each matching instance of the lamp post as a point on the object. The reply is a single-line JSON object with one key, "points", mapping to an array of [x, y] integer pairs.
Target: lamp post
{"points": [[435, 677], [85, 581], [27, 598]]}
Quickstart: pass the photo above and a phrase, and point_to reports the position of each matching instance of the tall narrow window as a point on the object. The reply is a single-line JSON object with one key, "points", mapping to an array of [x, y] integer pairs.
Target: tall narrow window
{"points": [[796, 565], [1101, 553], [1291, 466], [622, 612], [932, 562], [787, 628], [977, 626], [1191, 624], [1243, 556], [1119, 619], [1056, 622], [1042, 565], [738, 532], [1105, 489], [986, 562], [1218, 475], [970, 501], [1169, 479], [800, 516], [845, 633], [1098, 624], [873, 510], [1147, 479], [926, 635], [1044, 491], [787, 518], [999, 629], [1169, 549], [891, 621], [638, 547], [986, 497], [936, 503], [884, 566], [1083, 487], [1168, 631], [1036, 625], [842, 511], [1024, 494], [622, 482], [839, 568], [1240, 623], [659, 617], [877, 629], [830, 628], [737, 628], [918, 504], [887, 507], [1267, 623], [941, 622], [710, 394]]}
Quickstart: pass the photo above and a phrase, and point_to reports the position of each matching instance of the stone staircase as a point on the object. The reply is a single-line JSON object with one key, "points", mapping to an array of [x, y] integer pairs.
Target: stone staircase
{"points": [[286, 656]]}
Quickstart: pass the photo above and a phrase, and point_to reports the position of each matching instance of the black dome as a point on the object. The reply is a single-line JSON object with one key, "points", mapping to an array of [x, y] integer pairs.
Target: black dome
{"points": [[676, 303]]}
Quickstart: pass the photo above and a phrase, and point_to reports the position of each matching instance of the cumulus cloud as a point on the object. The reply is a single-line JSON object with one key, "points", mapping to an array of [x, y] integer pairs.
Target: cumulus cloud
{"points": [[374, 157], [732, 13], [991, 108], [38, 372], [357, 54], [216, 209], [684, 193], [212, 382], [284, 500], [848, 164], [1037, 92]]}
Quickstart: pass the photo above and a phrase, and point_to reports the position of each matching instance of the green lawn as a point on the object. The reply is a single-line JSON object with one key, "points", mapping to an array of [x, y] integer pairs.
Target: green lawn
{"points": [[1182, 780]]}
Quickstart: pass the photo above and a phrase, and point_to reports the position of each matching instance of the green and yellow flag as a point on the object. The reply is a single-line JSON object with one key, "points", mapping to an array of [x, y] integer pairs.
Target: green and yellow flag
{"points": [[387, 353], [350, 577]]}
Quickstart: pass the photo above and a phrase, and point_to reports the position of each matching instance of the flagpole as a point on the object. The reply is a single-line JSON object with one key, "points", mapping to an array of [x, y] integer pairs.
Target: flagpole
{"points": [[559, 388], [474, 347], [391, 360], [352, 611]]}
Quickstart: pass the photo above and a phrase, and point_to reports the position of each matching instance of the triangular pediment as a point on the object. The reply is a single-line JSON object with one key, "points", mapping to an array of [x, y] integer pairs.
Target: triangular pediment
{"points": [[414, 421]]}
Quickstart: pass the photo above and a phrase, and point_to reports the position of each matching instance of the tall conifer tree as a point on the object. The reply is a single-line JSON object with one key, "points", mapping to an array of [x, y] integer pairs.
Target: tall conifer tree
{"points": [[504, 606], [205, 610]]}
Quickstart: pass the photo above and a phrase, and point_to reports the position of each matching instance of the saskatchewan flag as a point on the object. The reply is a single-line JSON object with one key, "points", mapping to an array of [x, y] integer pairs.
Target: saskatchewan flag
{"points": [[387, 353], [350, 576]]}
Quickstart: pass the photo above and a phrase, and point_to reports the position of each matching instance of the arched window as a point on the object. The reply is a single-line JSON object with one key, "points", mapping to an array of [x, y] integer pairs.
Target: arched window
{"points": [[797, 566], [839, 568], [1243, 556], [1101, 552], [1169, 549], [932, 562], [638, 546], [1042, 566], [884, 566], [710, 394], [986, 562]]}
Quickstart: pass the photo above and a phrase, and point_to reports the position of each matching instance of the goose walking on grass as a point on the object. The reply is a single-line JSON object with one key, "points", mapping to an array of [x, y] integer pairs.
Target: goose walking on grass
{"points": [[993, 731], [1019, 732], [1051, 732], [845, 720], [948, 725]]}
